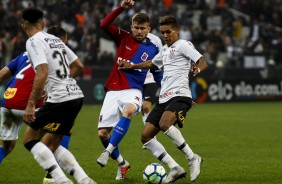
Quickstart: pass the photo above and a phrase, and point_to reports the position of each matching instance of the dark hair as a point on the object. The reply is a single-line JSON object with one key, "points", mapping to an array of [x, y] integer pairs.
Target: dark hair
{"points": [[169, 20], [57, 31], [141, 18], [32, 15]]}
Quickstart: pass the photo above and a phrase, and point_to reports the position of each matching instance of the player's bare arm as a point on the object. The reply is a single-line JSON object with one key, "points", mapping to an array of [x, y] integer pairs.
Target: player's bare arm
{"points": [[126, 4], [36, 93], [5, 73], [201, 66], [76, 68], [125, 65]]}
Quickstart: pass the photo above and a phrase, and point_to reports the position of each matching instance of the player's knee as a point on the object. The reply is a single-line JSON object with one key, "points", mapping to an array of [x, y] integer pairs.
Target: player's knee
{"points": [[146, 110], [129, 110], [164, 126], [29, 145], [103, 134], [128, 114], [145, 138]]}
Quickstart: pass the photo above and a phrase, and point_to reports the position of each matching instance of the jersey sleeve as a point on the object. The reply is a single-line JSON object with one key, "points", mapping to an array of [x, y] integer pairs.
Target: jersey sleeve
{"points": [[157, 74], [107, 25], [71, 55], [157, 60], [189, 51], [13, 65], [36, 52]]}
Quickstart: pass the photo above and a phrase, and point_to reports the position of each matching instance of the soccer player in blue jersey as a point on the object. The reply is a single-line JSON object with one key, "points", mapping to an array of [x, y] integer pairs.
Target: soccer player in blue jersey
{"points": [[124, 88], [14, 101]]}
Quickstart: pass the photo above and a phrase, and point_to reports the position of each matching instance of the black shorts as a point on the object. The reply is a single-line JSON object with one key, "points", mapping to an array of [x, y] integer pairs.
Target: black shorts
{"points": [[57, 118], [151, 92], [179, 105]]}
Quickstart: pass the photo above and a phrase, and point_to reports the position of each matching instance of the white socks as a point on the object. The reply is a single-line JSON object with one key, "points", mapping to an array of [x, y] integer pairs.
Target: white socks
{"points": [[119, 159], [110, 148], [67, 161], [159, 151], [44, 156], [175, 135]]}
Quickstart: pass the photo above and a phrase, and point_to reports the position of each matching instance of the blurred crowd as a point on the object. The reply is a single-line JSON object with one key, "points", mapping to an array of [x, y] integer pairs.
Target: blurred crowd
{"points": [[225, 31]]}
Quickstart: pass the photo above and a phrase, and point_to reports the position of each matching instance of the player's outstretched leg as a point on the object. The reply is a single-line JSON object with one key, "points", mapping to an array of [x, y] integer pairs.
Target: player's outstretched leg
{"points": [[157, 149], [195, 166], [119, 132], [45, 158], [194, 160], [48, 178]]}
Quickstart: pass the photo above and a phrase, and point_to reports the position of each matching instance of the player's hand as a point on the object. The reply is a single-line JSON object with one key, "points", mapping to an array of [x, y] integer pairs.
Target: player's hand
{"points": [[124, 65], [44, 97], [126, 4], [195, 69], [29, 114]]}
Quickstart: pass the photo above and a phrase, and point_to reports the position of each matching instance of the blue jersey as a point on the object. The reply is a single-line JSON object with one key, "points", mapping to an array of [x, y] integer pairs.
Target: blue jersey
{"points": [[128, 49], [18, 89]]}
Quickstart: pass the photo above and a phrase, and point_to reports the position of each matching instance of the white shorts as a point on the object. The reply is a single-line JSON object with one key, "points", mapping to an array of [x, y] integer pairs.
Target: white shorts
{"points": [[114, 103], [11, 123]]}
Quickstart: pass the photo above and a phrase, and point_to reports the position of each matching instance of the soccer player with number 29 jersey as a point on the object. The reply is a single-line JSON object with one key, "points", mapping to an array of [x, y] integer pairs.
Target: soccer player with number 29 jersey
{"points": [[124, 88], [51, 59], [177, 57]]}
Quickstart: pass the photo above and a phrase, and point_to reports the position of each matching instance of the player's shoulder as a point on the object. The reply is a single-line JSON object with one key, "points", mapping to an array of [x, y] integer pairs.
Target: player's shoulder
{"points": [[184, 45], [185, 42], [152, 36], [155, 40]]}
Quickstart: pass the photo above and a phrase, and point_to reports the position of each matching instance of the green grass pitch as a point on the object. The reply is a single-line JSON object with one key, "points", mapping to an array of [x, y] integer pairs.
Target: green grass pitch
{"points": [[240, 143]]}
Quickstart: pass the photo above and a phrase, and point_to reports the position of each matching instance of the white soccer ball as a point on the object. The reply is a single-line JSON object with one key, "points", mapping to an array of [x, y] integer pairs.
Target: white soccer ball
{"points": [[154, 173]]}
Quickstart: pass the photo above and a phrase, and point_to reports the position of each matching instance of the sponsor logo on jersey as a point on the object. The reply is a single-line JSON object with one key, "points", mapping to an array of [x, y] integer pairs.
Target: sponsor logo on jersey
{"points": [[166, 94], [10, 93], [144, 56], [171, 54]]}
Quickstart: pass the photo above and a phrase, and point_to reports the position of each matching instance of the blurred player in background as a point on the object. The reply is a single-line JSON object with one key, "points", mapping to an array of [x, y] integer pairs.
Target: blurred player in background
{"points": [[176, 58], [51, 59], [124, 88]]}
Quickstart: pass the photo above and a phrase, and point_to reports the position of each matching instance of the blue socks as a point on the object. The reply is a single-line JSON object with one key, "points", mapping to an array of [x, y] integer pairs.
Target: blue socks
{"points": [[115, 153], [119, 131], [65, 141], [2, 154]]}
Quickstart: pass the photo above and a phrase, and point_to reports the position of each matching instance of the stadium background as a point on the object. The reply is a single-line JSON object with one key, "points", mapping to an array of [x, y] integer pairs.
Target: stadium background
{"points": [[240, 39]]}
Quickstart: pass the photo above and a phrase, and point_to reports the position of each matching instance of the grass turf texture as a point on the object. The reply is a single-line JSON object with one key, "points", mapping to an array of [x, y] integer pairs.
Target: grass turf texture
{"points": [[240, 142]]}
